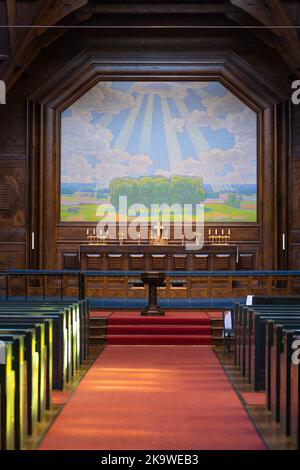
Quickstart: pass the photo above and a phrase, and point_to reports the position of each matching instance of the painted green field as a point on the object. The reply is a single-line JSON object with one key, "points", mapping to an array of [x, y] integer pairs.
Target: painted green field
{"points": [[213, 213]]}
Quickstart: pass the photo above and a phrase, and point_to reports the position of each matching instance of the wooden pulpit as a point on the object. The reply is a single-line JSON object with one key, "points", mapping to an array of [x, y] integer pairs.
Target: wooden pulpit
{"points": [[154, 279]]}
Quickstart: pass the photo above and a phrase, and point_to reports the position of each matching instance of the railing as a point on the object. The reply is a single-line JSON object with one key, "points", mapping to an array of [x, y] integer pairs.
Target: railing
{"points": [[117, 284]]}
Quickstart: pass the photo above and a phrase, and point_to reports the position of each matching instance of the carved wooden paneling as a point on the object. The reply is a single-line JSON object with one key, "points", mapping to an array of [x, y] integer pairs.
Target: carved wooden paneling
{"points": [[159, 262], [115, 262], [137, 262], [12, 191], [117, 287], [179, 262], [221, 262], [96, 287], [296, 257], [200, 262], [295, 194], [295, 132], [71, 261], [94, 262], [246, 261], [12, 256]]}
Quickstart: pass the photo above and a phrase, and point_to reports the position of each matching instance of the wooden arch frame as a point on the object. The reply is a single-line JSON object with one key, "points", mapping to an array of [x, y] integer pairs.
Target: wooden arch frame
{"points": [[78, 76]]}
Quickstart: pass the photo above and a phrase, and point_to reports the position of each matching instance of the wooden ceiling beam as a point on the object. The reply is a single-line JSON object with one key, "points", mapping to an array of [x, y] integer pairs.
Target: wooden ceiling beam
{"points": [[281, 18], [255, 8], [272, 13], [11, 9], [169, 8], [58, 12], [51, 13]]}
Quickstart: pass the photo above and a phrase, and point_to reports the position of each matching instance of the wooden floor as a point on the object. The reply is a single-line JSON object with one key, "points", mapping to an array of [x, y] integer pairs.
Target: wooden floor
{"points": [[270, 431]]}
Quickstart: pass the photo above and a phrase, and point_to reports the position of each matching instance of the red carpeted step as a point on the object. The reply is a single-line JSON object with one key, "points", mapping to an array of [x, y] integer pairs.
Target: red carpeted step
{"points": [[159, 339], [135, 320], [158, 330]]}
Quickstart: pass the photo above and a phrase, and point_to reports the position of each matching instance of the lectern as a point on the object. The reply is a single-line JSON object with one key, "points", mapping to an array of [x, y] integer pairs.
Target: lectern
{"points": [[154, 279]]}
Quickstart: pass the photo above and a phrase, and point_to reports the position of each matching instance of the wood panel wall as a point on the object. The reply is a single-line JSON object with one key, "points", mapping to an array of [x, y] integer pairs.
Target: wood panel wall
{"points": [[295, 188], [19, 158]]}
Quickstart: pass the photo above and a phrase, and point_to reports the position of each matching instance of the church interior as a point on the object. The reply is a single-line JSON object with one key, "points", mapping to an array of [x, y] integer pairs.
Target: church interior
{"points": [[149, 226]]}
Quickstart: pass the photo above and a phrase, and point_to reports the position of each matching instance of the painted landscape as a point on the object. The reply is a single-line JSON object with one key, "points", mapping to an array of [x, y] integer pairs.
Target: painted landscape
{"points": [[156, 143]]}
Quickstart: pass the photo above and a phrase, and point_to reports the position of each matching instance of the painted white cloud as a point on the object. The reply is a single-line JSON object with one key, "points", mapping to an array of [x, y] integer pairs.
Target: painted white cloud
{"points": [[87, 155], [176, 90], [104, 99], [226, 112]]}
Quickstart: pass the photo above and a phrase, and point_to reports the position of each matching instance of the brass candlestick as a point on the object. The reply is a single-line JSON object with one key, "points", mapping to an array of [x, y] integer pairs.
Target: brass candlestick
{"points": [[219, 238], [96, 239]]}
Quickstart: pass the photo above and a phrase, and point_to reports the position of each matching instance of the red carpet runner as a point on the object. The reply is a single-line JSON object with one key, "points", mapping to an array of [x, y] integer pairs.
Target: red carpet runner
{"points": [[174, 328], [161, 397]]}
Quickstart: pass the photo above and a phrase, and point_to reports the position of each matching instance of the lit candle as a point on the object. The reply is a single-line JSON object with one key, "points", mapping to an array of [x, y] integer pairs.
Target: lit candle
{"points": [[216, 232], [209, 232], [222, 231], [229, 231], [87, 231], [94, 231]]}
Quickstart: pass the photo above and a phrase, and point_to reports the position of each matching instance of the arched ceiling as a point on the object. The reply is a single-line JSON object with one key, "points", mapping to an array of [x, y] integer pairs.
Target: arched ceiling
{"points": [[28, 26]]}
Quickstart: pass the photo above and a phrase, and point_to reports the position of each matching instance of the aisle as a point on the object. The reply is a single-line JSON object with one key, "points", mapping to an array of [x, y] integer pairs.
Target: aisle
{"points": [[154, 397]]}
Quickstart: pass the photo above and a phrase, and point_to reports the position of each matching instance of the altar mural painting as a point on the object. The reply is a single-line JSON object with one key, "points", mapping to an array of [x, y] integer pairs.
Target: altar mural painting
{"points": [[159, 142]]}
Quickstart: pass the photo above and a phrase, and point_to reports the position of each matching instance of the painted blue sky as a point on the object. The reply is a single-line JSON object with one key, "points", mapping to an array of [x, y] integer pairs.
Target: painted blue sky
{"points": [[159, 128]]}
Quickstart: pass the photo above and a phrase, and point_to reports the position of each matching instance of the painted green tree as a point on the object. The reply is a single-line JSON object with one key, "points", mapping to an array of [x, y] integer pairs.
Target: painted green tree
{"points": [[157, 190], [233, 200]]}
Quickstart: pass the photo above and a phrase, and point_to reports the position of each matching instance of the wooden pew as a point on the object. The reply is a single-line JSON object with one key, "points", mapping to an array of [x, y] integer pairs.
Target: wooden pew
{"points": [[36, 355], [271, 349], [7, 387], [285, 379], [61, 339], [275, 331], [36, 326], [84, 317], [20, 395], [43, 347], [257, 343], [295, 400], [75, 348], [238, 313], [241, 325]]}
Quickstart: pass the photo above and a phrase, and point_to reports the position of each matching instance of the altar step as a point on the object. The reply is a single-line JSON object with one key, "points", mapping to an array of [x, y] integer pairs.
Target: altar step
{"points": [[158, 330], [159, 339], [166, 320], [171, 329], [175, 328]]}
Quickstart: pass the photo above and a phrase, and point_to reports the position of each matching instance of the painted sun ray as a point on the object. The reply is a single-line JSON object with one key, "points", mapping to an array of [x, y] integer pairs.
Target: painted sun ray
{"points": [[175, 156], [199, 142], [134, 141], [145, 141], [124, 136]]}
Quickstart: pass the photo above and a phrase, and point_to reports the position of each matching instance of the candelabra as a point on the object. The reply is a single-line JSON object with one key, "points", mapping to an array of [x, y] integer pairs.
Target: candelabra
{"points": [[218, 237], [95, 238]]}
